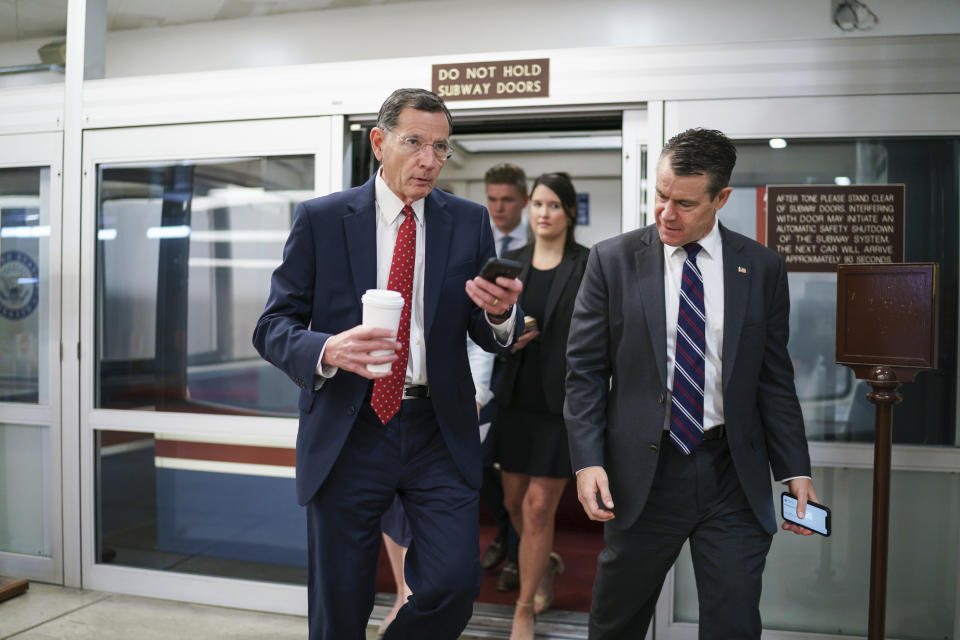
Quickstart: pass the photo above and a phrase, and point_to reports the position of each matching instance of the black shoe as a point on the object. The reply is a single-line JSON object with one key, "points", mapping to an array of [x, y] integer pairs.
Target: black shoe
{"points": [[495, 554], [509, 579]]}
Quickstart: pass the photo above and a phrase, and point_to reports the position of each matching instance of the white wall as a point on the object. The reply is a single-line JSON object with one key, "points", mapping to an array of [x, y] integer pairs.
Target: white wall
{"points": [[462, 26]]}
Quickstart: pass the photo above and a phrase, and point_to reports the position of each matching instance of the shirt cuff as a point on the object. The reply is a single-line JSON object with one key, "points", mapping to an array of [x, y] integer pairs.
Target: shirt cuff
{"points": [[786, 480], [484, 394], [324, 371], [503, 331]]}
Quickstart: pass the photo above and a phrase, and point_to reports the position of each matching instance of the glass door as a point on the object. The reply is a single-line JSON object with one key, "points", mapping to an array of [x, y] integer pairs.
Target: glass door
{"points": [[30, 354], [188, 436], [819, 586], [604, 153]]}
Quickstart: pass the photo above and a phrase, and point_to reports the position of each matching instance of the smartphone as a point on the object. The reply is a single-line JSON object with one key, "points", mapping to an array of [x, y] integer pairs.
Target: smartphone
{"points": [[817, 517], [601, 505], [529, 323], [496, 267]]}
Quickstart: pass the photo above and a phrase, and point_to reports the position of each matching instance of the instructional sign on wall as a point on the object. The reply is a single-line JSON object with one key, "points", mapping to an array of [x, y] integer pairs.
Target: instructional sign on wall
{"points": [[490, 80], [817, 227]]}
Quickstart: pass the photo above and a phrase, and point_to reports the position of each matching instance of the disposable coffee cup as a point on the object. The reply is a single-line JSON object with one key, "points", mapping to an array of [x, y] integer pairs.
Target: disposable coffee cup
{"points": [[381, 309]]}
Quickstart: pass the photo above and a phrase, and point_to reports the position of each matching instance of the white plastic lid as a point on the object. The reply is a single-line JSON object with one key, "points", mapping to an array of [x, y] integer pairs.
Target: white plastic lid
{"points": [[383, 298]]}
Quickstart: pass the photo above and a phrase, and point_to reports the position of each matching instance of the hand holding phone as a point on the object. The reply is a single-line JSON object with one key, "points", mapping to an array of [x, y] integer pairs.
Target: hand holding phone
{"points": [[600, 504], [816, 518], [496, 267], [529, 324]]}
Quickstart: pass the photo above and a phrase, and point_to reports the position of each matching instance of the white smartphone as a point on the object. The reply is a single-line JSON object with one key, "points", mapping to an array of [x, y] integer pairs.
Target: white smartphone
{"points": [[816, 518]]}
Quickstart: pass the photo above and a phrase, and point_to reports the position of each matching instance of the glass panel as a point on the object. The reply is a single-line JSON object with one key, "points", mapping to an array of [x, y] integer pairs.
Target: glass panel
{"points": [[213, 508], [821, 585], [25, 498], [184, 259], [24, 284], [834, 402]]}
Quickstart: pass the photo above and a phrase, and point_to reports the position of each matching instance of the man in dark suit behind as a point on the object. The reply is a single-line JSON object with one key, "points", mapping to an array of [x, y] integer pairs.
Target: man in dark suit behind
{"points": [[680, 400], [365, 438]]}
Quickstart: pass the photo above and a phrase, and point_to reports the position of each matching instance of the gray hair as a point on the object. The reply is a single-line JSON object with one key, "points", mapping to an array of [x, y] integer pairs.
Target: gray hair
{"points": [[419, 99]]}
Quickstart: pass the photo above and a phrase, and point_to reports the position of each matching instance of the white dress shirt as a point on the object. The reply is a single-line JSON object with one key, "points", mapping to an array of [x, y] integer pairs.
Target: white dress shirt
{"points": [[710, 262], [518, 236], [389, 218]]}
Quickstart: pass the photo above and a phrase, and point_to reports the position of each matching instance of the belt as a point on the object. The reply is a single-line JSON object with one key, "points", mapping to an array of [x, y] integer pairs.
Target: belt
{"points": [[409, 393], [419, 391], [718, 432]]}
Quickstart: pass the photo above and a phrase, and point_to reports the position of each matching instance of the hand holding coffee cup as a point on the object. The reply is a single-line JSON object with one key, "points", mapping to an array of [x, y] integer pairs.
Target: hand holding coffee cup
{"points": [[381, 309]]}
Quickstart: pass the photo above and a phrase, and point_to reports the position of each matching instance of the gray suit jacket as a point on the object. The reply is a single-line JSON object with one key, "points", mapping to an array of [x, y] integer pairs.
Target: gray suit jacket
{"points": [[617, 401]]}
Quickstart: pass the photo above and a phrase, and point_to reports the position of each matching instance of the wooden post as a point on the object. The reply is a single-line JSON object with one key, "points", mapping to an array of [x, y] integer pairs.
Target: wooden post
{"points": [[887, 333], [884, 382]]}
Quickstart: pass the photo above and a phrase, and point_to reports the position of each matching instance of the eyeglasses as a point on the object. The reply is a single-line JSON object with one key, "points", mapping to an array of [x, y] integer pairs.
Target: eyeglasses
{"points": [[412, 146]]}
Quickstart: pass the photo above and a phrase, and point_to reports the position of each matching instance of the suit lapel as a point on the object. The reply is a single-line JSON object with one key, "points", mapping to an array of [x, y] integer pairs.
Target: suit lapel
{"points": [[736, 287], [439, 229], [560, 278], [649, 302], [360, 229]]}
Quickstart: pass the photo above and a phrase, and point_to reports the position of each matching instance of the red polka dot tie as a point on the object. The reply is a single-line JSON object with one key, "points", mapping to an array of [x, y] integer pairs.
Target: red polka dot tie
{"points": [[388, 391]]}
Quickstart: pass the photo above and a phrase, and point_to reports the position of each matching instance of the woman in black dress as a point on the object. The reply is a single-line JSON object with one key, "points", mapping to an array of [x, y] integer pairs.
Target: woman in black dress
{"points": [[531, 443]]}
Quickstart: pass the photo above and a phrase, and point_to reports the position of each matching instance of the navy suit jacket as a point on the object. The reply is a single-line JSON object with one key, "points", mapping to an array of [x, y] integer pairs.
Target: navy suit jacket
{"points": [[329, 261], [617, 399]]}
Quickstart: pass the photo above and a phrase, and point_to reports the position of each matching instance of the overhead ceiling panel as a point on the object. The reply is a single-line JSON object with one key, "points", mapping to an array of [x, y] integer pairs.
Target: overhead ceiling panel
{"points": [[26, 19]]}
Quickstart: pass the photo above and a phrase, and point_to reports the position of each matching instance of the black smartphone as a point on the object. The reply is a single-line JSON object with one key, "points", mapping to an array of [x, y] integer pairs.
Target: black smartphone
{"points": [[496, 267], [816, 518], [601, 505]]}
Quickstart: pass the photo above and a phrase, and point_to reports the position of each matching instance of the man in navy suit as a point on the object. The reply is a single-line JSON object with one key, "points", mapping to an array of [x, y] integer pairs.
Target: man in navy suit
{"points": [[680, 401], [353, 459]]}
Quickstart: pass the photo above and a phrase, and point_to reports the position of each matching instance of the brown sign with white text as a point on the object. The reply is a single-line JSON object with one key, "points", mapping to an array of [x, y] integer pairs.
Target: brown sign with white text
{"points": [[492, 80], [817, 227]]}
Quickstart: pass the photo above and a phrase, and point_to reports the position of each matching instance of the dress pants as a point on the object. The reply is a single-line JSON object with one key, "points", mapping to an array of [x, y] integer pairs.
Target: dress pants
{"points": [[696, 497], [408, 458]]}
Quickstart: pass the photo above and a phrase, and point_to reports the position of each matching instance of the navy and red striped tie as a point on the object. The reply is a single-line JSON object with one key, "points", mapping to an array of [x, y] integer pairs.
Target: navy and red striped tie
{"points": [[686, 417]]}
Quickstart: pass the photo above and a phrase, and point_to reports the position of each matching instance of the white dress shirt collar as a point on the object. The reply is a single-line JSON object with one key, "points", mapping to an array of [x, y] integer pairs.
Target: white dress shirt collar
{"points": [[391, 206], [710, 263], [710, 243]]}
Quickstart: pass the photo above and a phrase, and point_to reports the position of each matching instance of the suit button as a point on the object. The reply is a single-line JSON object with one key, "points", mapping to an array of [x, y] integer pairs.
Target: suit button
{"points": [[653, 448], [660, 398], [351, 410]]}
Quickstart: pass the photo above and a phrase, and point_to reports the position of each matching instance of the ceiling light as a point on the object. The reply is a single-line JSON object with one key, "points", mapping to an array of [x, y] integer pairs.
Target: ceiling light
{"points": [[778, 143], [40, 231], [174, 231], [559, 143]]}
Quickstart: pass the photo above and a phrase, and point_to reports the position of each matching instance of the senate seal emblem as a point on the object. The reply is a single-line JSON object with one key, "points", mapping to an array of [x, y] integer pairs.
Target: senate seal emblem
{"points": [[19, 285]]}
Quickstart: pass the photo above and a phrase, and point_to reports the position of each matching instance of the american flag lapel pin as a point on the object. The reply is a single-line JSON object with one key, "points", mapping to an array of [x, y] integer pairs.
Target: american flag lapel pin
{"points": [[741, 269]]}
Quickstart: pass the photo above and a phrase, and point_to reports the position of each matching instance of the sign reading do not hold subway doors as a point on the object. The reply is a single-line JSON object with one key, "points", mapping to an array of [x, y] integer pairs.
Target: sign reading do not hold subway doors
{"points": [[492, 80]]}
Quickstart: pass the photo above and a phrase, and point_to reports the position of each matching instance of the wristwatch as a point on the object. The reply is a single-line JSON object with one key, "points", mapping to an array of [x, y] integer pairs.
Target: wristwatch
{"points": [[501, 317]]}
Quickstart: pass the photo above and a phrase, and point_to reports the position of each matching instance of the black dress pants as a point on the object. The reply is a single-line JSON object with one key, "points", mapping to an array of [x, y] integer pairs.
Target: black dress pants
{"points": [[696, 497]]}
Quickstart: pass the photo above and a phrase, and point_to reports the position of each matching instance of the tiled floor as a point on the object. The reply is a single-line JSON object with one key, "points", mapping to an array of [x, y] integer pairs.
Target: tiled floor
{"points": [[47, 612]]}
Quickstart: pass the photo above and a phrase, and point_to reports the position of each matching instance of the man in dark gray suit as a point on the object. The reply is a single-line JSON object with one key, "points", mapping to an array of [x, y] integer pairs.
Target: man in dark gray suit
{"points": [[680, 400]]}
